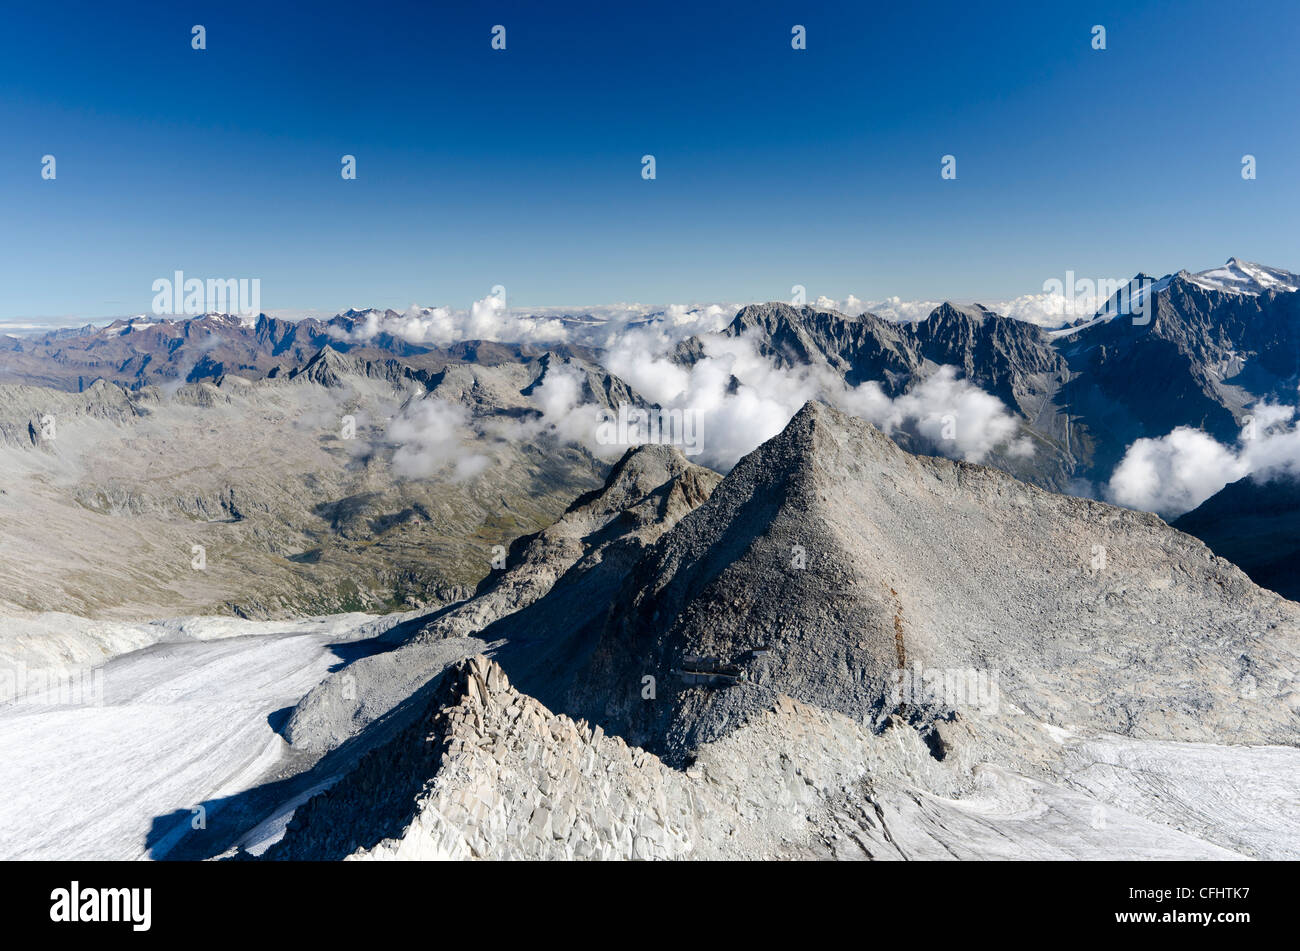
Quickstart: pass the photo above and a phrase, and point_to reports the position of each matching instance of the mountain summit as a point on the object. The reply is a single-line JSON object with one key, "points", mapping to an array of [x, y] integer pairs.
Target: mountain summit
{"points": [[1245, 277], [731, 688], [849, 558]]}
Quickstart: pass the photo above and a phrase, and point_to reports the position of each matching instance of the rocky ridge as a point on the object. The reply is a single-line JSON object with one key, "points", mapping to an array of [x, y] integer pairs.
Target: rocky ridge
{"points": [[575, 565], [1115, 680], [1092, 614]]}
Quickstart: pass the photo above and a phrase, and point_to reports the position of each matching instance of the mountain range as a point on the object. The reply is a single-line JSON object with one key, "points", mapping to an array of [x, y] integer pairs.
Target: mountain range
{"points": [[382, 594], [581, 735], [1212, 345]]}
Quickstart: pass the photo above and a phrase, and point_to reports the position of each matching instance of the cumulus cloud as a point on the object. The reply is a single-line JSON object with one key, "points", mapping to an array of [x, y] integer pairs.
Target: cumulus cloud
{"points": [[491, 319], [434, 438], [602, 326], [944, 409], [744, 398], [430, 437], [1050, 310], [734, 397], [486, 319], [1175, 473], [564, 414], [890, 308]]}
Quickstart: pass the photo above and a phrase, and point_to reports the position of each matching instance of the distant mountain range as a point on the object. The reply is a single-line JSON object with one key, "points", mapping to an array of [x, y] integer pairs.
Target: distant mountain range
{"points": [[143, 351], [837, 644], [1216, 343], [1210, 347], [1084, 394]]}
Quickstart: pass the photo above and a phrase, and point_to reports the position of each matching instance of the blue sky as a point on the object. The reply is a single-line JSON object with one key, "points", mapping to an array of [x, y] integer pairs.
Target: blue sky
{"points": [[522, 168]]}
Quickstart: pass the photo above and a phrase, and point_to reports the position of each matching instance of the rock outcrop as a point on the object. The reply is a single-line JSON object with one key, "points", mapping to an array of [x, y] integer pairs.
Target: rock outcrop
{"points": [[576, 565], [851, 559], [489, 773]]}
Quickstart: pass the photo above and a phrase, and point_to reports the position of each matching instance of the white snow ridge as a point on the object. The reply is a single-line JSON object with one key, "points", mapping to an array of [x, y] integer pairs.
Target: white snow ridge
{"points": [[1245, 277]]}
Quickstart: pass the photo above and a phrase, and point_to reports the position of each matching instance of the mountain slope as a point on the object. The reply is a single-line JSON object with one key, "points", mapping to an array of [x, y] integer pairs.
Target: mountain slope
{"points": [[573, 567], [1256, 526], [331, 488], [951, 566], [1111, 685]]}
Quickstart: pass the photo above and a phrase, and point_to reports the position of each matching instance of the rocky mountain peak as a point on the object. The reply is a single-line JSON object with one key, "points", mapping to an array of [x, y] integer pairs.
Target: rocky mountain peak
{"points": [[948, 311], [327, 367], [1237, 276], [847, 556]]}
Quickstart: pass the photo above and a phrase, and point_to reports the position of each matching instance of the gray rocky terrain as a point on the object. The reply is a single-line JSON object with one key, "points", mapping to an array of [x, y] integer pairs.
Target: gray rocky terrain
{"points": [[486, 772], [840, 648], [977, 569], [109, 489], [575, 565], [1109, 686]]}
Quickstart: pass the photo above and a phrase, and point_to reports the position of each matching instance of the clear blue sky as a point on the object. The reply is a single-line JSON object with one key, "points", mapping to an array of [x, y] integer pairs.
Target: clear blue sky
{"points": [[522, 167]]}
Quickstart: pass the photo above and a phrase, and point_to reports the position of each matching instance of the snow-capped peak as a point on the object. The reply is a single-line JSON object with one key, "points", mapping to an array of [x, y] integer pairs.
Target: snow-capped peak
{"points": [[1245, 277], [1133, 299]]}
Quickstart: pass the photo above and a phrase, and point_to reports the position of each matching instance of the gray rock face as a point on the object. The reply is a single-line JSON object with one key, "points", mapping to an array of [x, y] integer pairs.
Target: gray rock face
{"points": [[575, 566], [486, 772], [1203, 357], [329, 367], [1014, 361], [1207, 353], [1256, 526], [1092, 615], [864, 348], [1122, 655], [645, 494], [1002, 356]]}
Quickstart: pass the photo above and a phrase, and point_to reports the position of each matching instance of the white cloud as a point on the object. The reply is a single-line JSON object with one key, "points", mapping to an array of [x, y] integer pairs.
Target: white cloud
{"points": [[946, 410], [429, 437], [891, 308], [1049, 310], [490, 319], [1175, 473], [743, 398], [564, 413], [738, 397], [486, 319]]}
